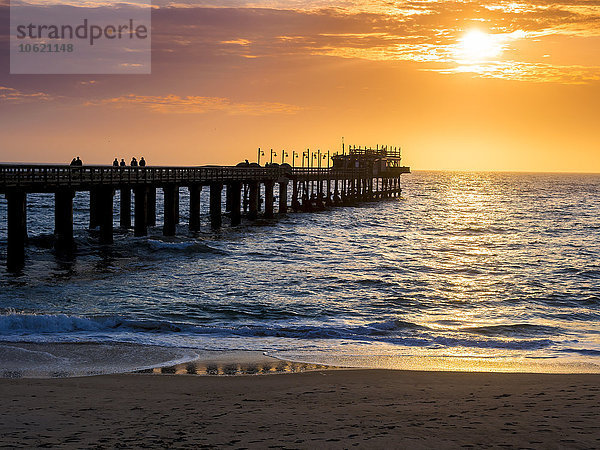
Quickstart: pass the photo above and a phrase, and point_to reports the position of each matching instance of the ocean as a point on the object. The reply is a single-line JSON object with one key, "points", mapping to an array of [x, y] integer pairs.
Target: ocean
{"points": [[466, 271]]}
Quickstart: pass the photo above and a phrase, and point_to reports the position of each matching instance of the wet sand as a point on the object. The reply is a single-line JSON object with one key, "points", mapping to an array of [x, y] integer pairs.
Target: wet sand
{"points": [[322, 409]]}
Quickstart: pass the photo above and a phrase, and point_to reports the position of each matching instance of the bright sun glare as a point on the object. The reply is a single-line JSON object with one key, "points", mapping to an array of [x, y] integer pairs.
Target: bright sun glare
{"points": [[477, 45]]}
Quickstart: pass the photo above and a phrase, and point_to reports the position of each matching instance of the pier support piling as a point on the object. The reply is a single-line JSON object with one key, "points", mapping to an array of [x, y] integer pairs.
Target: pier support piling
{"points": [[216, 220], [283, 194], [269, 199], [63, 219], [17, 230], [171, 204], [228, 198], [195, 190], [295, 202], [235, 198], [141, 210]]}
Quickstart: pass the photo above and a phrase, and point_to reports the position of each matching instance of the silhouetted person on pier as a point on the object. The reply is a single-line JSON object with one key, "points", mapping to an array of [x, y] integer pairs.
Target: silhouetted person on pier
{"points": [[122, 163], [142, 162], [116, 163], [134, 162], [78, 162], [73, 162]]}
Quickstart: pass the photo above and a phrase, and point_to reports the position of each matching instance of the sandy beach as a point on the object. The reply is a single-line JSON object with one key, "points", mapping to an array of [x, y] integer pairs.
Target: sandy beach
{"points": [[320, 409]]}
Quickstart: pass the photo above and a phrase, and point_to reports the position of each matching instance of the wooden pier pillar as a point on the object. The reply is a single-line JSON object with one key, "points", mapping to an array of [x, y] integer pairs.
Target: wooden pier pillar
{"points": [[349, 191], [125, 210], [253, 195], [94, 217], [234, 191], [269, 199], [171, 204], [63, 219], [151, 206], [105, 214], [216, 220], [283, 193], [17, 230], [195, 190], [141, 212]]}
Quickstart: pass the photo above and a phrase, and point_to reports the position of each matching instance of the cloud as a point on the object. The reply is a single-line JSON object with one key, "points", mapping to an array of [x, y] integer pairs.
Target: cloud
{"points": [[174, 104], [425, 32], [539, 73], [197, 36], [14, 96]]}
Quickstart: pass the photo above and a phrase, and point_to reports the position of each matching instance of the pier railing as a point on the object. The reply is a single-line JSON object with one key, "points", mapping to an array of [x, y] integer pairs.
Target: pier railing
{"points": [[43, 177], [320, 173], [375, 152]]}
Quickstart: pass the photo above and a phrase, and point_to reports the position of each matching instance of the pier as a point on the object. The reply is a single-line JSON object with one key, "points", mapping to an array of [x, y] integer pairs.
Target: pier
{"points": [[358, 175]]}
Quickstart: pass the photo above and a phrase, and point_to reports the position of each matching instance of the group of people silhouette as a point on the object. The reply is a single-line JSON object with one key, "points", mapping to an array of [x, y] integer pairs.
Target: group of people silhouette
{"points": [[134, 162]]}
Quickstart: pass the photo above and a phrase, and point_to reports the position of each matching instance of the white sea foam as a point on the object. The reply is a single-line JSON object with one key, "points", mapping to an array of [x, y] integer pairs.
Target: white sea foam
{"points": [[33, 360]]}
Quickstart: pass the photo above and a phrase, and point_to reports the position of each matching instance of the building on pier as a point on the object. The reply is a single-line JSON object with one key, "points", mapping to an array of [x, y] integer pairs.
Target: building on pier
{"points": [[376, 161]]}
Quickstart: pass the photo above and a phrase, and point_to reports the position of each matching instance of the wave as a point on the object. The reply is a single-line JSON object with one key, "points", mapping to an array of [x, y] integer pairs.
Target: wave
{"points": [[397, 332], [521, 329], [582, 351], [476, 231], [49, 360], [180, 247], [16, 323]]}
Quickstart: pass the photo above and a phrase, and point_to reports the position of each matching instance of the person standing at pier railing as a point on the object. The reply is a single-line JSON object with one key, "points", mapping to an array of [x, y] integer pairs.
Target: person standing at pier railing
{"points": [[122, 163], [142, 162], [134, 162], [116, 163]]}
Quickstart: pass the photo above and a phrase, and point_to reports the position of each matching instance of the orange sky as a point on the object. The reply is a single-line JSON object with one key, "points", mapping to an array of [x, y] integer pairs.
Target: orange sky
{"points": [[519, 93]]}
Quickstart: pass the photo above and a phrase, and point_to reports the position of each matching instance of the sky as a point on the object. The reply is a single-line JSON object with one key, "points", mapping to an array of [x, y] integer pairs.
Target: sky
{"points": [[458, 85]]}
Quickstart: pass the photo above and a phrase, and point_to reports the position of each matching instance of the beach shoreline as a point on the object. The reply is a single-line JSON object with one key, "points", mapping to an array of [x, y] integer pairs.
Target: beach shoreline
{"points": [[323, 408]]}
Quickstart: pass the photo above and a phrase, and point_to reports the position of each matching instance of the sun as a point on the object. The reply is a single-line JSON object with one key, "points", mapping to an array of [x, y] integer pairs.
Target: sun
{"points": [[477, 45]]}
